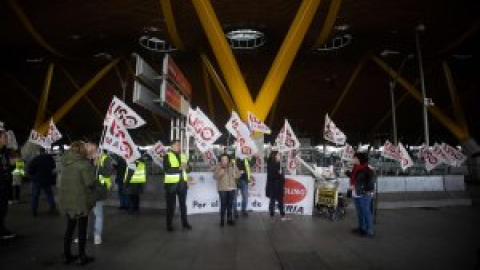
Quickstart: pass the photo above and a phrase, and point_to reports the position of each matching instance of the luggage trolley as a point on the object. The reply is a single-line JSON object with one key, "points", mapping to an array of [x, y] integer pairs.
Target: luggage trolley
{"points": [[329, 202]]}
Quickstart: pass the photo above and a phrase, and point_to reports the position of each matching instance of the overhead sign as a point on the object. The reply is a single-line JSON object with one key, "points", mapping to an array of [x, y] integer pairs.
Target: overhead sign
{"points": [[175, 75]]}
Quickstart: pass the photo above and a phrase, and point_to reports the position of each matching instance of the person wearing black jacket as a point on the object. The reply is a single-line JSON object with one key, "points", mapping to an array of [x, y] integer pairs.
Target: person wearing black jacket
{"points": [[362, 183], [6, 169], [275, 184], [175, 165], [42, 172]]}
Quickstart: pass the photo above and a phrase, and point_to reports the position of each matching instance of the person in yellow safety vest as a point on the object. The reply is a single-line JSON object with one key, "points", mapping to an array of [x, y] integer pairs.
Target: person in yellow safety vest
{"points": [[104, 168], [242, 185], [175, 165], [134, 180], [17, 176]]}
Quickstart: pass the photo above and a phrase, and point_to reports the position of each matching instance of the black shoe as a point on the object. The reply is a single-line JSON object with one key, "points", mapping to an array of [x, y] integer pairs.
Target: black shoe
{"points": [[187, 226], [222, 223], [170, 229], [244, 214], [358, 231], [236, 215], [69, 259], [231, 223], [84, 260]]}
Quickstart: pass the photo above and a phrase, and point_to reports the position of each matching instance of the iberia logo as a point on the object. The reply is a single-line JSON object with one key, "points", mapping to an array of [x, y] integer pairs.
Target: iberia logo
{"points": [[294, 191]]}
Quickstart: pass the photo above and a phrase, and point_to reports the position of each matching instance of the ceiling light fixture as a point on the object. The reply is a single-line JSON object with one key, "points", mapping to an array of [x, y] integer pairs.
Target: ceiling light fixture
{"points": [[388, 52], [245, 39], [336, 43], [342, 27], [34, 60], [155, 44]]}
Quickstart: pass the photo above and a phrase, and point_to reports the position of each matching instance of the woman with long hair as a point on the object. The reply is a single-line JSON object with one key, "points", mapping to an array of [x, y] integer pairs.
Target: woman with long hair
{"points": [[275, 184]]}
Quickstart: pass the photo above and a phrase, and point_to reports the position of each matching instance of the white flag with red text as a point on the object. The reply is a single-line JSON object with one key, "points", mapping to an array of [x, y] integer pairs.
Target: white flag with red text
{"points": [[348, 152], [246, 146], [256, 125], [431, 159], [128, 117], [201, 129], [398, 153], [157, 152], [210, 157], [286, 139], [117, 140], [53, 135], [405, 161], [455, 156], [333, 134]]}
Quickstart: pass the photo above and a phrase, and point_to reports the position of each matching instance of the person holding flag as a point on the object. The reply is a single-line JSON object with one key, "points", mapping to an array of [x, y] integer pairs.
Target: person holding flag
{"points": [[175, 165], [245, 178]]}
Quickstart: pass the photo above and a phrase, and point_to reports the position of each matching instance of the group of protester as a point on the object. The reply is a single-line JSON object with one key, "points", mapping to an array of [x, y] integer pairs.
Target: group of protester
{"points": [[85, 178]]}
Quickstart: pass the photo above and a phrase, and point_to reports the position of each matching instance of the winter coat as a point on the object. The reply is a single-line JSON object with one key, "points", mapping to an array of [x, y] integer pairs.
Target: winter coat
{"points": [[42, 169], [364, 181], [226, 177], [275, 181], [76, 196]]}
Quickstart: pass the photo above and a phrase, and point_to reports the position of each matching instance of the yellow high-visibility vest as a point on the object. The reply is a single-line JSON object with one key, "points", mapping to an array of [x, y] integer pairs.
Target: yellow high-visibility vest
{"points": [[175, 163], [105, 180], [246, 162], [139, 176], [19, 168]]}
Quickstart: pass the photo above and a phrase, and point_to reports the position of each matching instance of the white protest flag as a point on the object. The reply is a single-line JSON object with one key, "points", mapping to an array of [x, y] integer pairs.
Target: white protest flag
{"points": [[117, 140], [391, 151], [292, 161], [12, 140], [201, 129], [128, 117], [431, 160], [456, 157], [332, 133], [53, 133], [286, 139], [442, 156], [210, 157], [348, 152], [157, 152], [257, 125], [405, 159], [246, 146]]}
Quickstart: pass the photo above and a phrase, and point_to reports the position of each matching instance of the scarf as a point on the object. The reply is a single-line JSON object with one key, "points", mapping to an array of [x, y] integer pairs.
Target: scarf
{"points": [[357, 168]]}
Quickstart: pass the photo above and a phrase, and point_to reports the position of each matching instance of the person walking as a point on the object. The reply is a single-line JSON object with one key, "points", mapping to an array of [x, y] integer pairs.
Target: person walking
{"points": [[42, 172], [226, 175], [362, 184], [275, 184], [76, 199], [175, 165]]}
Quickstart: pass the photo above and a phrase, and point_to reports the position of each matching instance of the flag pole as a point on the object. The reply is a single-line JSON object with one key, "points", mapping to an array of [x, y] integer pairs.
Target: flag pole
{"points": [[100, 149]]}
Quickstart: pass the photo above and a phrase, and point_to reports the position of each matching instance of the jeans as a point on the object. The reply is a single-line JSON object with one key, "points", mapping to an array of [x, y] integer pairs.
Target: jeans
{"points": [[172, 191], [242, 186], [226, 200], [98, 213], [364, 213], [123, 198], [36, 195], [82, 235]]}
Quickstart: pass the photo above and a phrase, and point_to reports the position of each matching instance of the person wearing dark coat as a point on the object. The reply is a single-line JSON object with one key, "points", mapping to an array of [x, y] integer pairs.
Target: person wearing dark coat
{"points": [[42, 172], [362, 183], [6, 168], [275, 184]]}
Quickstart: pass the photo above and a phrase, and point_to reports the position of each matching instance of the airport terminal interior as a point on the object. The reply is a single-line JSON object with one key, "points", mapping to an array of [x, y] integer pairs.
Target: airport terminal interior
{"points": [[240, 134]]}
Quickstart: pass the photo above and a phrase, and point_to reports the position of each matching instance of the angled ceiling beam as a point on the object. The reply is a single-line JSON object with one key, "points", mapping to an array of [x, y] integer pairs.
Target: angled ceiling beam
{"points": [[224, 55], [329, 22], [222, 90], [208, 88], [273, 112], [446, 121], [73, 100], [285, 56], [468, 33], [167, 12], [452, 90], [31, 29], [349, 84], [76, 86], [22, 87], [388, 113], [42, 104]]}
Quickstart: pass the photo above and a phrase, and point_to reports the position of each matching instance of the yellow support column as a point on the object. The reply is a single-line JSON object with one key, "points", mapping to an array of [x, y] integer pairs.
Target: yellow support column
{"points": [[224, 55], [350, 82], [448, 123], [284, 59], [69, 104], [329, 22], [170, 22], [222, 90], [208, 89], [42, 103], [457, 106]]}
